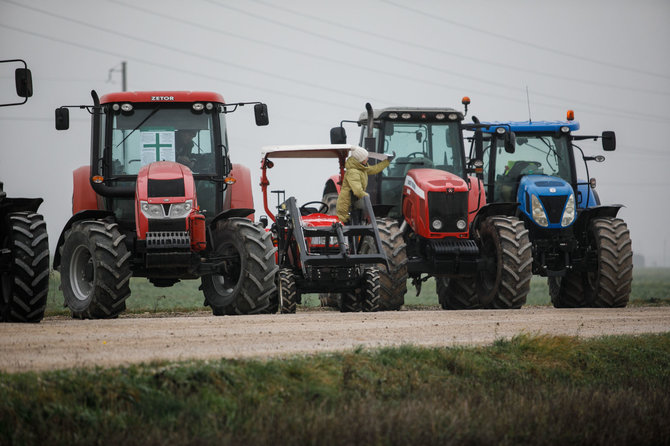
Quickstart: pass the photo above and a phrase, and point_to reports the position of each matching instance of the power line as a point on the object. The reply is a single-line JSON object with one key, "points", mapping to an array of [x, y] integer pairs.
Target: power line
{"points": [[395, 57], [170, 67], [390, 38], [526, 43]]}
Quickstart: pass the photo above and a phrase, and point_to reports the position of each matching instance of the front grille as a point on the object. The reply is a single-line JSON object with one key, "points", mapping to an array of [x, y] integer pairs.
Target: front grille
{"points": [[165, 188], [168, 241], [453, 247], [553, 206], [449, 208], [167, 224]]}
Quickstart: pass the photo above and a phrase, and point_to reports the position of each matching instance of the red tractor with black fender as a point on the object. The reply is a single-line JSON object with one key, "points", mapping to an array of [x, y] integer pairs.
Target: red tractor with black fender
{"points": [[437, 222], [161, 199]]}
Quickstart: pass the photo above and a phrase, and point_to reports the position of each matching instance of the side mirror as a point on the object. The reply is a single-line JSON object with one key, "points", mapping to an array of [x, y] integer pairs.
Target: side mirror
{"points": [[338, 135], [62, 118], [261, 114], [263, 220], [24, 82], [510, 142], [609, 141]]}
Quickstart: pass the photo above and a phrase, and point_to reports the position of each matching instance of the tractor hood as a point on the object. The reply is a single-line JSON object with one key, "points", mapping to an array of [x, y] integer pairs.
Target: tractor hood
{"points": [[547, 201], [165, 182], [421, 181]]}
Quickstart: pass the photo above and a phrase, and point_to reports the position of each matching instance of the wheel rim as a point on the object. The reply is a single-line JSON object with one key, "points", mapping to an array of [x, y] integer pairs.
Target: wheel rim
{"points": [[82, 273], [224, 284]]}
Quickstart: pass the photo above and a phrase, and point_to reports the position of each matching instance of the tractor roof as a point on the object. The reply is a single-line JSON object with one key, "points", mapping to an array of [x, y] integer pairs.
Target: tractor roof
{"points": [[162, 96], [310, 151], [531, 126], [415, 112]]}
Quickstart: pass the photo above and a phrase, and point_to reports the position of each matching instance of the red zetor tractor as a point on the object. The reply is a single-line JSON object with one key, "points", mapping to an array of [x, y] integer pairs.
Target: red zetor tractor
{"points": [[161, 200], [24, 245], [316, 253], [437, 223]]}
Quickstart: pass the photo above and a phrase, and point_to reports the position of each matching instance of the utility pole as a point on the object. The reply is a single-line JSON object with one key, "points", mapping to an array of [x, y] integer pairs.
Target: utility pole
{"points": [[124, 85]]}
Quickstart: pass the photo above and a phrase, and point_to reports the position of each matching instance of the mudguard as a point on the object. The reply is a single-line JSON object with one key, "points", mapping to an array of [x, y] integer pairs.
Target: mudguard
{"points": [[91, 214]]}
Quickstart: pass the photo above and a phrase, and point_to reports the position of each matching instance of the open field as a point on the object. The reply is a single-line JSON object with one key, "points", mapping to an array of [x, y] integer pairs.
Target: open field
{"points": [[651, 286]]}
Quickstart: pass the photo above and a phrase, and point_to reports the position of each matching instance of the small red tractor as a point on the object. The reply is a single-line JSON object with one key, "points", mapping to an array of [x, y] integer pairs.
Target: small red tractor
{"points": [[436, 221], [162, 200], [316, 253], [24, 244]]}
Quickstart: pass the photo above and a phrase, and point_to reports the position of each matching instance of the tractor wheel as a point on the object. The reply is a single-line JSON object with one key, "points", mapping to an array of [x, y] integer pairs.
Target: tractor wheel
{"points": [[287, 292], [394, 281], [248, 281], [350, 302], [330, 299], [369, 294], [95, 270], [609, 286], [457, 293], [567, 291], [25, 285], [507, 254]]}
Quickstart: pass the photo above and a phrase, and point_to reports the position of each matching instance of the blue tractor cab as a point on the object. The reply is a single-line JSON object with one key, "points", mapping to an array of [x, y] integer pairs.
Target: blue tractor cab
{"points": [[570, 230]]}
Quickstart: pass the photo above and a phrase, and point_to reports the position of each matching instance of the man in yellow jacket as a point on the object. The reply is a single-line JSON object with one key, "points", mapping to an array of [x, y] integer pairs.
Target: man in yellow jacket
{"points": [[355, 180]]}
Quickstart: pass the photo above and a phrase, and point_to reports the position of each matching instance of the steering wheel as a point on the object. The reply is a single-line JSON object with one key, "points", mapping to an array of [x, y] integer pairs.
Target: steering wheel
{"points": [[520, 166], [415, 155], [305, 210]]}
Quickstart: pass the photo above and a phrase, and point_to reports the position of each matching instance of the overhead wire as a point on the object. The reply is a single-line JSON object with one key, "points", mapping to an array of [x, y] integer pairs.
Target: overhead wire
{"points": [[395, 57], [527, 43], [390, 38]]}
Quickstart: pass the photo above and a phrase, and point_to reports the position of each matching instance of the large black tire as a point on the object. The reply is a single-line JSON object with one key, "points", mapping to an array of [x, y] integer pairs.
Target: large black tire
{"points": [[25, 286], [95, 270], [506, 250], [568, 291], [250, 279], [457, 293], [287, 292], [369, 296], [394, 281]]}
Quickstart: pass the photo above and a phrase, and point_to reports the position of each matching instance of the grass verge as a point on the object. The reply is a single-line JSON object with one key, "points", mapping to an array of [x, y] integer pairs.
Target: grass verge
{"points": [[527, 390]]}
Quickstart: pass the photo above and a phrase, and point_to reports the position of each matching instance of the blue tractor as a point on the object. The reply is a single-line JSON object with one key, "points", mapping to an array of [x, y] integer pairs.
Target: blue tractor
{"points": [[580, 245]]}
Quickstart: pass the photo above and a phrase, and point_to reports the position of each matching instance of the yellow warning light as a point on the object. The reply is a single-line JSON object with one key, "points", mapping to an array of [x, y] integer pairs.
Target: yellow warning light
{"points": [[571, 115], [465, 100], [229, 180], [98, 179]]}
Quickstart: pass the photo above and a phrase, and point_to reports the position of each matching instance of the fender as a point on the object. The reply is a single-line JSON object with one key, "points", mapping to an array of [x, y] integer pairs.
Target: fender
{"points": [[240, 195], [8, 205], [507, 209], [83, 195], [90, 214], [232, 213], [581, 225]]}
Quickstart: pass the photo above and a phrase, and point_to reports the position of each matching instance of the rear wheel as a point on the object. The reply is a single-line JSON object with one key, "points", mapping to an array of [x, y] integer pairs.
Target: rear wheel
{"points": [[248, 280], [506, 251], [457, 293], [287, 292], [25, 285], [393, 282], [95, 270]]}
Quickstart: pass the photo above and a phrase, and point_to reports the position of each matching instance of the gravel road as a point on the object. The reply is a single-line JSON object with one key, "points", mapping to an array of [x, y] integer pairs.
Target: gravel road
{"points": [[59, 342]]}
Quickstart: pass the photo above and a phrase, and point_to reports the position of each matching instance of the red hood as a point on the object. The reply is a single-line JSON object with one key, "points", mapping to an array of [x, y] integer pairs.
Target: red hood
{"points": [[162, 171], [429, 180]]}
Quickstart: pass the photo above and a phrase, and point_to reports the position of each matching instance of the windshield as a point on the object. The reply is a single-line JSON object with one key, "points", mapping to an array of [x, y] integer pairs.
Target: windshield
{"points": [[162, 133], [534, 155], [417, 145]]}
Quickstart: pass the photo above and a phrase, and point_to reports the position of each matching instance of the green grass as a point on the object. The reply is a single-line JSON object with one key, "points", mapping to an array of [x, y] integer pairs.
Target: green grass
{"points": [[651, 286], [527, 390]]}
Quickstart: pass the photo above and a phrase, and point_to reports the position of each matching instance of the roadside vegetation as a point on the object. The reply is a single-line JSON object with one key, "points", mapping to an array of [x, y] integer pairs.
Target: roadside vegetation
{"points": [[650, 287], [527, 390]]}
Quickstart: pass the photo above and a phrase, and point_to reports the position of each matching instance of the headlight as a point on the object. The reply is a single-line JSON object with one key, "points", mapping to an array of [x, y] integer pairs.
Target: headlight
{"points": [[461, 225], [437, 224], [180, 210], [152, 210], [569, 212], [538, 212]]}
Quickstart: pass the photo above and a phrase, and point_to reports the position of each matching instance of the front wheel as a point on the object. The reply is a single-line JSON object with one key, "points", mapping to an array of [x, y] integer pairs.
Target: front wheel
{"points": [[25, 284], [287, 292], [457, 293], [248, 280], [506, 251], [95, 270]]}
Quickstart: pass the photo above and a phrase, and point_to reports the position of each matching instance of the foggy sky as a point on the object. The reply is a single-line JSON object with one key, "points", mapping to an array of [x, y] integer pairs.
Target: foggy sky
{"points": [[317, 63]]}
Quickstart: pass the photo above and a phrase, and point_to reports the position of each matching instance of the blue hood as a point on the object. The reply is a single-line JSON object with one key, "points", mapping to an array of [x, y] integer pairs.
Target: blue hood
{"points": [[552, 193]]}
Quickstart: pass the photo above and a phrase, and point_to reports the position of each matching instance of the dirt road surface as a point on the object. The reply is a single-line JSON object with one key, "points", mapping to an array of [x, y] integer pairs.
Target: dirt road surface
{"points": [[58, 343]]}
